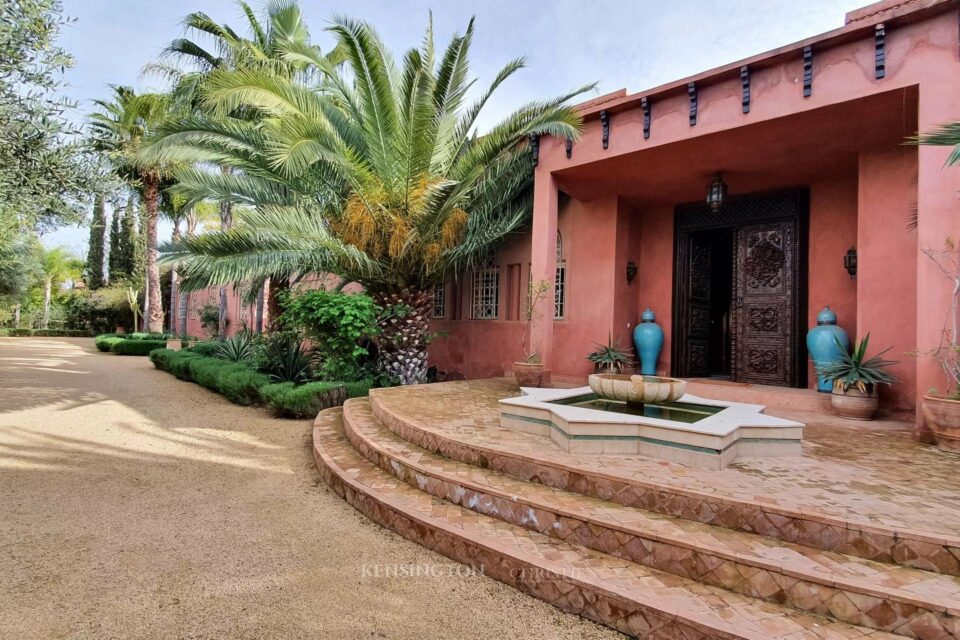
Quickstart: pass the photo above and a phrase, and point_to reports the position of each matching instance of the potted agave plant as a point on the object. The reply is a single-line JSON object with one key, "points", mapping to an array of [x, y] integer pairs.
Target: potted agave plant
{"points": [[609, 358], [529, 371], [941, 412], [856, 380]]}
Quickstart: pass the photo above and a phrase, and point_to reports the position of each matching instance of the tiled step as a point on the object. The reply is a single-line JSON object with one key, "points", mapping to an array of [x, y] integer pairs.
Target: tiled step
{"points": [[473, 440], [621, 594], [882, 596]]}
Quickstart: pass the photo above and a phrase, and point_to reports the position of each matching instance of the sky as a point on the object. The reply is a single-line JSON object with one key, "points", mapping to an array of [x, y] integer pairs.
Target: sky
{"points": [[632, 44]]}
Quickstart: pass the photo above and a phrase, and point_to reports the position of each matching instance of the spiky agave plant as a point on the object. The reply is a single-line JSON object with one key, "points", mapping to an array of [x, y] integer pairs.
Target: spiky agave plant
{"points": [[375, 174], [856, 369]]}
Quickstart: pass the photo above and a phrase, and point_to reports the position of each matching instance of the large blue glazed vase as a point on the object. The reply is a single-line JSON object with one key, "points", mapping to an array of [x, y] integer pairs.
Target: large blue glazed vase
{"points": [[822, 344], [648, 339]]}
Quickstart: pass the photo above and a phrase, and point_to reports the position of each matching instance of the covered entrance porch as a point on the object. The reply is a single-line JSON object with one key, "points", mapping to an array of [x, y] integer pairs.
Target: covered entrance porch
{"points": [[736, 289]]}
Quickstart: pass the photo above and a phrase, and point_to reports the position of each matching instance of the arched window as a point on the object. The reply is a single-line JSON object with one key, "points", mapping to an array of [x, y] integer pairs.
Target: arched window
{"points": [[560, 286]]}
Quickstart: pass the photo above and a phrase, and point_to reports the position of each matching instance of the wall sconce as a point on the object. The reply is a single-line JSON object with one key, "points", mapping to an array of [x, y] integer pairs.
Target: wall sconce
{"points": [[850, 262], [716, 193], [631, 271]]}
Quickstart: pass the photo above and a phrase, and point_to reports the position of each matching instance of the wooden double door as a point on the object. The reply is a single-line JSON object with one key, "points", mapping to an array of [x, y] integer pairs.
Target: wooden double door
{"points": [[740, 290]]}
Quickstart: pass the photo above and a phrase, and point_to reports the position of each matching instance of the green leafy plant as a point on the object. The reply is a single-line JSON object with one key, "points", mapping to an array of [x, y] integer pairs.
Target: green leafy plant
{"points": [[305, 401], [340, 326], [856, 369], [285, 359], [610, 356], [239, 348], [210, 320]]}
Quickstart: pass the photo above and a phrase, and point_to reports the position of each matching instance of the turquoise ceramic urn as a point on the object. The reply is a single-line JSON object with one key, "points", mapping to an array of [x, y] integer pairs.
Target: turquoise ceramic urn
{"points": [[822, 344], [648, 339]]}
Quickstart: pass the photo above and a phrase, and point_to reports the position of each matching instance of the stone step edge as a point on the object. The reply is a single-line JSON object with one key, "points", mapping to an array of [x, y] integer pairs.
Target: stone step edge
{"points": [[355, 493], [843, 583], [397, 423]]}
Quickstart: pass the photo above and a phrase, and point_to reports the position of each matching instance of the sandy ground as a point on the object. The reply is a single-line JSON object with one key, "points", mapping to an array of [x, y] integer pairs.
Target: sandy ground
{"points": [[134, 505]]}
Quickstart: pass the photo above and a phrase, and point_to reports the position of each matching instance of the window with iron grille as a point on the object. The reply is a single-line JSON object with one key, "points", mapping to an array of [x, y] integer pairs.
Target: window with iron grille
{"points": [[486, 293], [560, 288], [440, 301]]}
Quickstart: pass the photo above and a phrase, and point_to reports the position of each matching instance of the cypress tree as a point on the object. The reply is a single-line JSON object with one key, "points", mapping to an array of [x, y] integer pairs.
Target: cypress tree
{"points": [[98, 227], [115, 257], [129, 243]]}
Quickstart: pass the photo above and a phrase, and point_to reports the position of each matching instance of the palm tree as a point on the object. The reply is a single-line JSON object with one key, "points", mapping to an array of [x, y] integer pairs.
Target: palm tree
{"points": [[58, 265], [186, 218], [375, 174], [279, 46], [118, 129]]}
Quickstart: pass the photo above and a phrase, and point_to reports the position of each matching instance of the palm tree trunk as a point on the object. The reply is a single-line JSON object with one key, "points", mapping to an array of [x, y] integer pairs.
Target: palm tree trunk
{"points": [[260, 295], [404, 331], [226, 222], [174, 296], [47, 291], [151, 195], [277, 286], [182, 313]]}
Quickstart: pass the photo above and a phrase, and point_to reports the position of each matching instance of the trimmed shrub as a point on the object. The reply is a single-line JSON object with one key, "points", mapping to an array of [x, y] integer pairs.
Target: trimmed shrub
{"points": [[205, 348], [179, 364], [161, 358], [45, 333], [359, 388], [20, 333], [241, 385], [107, 341], [137, 347], [306, 401]]}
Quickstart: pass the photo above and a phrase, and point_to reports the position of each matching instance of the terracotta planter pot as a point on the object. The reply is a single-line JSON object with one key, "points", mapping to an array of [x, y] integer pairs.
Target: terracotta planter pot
{"points": [[528, 374], [943, 418], [855, 404]]}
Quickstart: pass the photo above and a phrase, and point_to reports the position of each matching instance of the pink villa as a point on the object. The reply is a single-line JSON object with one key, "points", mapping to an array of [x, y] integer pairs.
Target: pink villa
{"points": [[809, 141]]}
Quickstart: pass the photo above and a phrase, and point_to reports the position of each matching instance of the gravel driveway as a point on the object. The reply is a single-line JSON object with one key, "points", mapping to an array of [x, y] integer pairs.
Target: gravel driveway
{"points": [[136, 505]]}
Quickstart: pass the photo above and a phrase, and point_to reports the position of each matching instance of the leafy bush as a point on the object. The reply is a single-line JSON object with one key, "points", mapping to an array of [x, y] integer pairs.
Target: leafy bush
{"points": [[339, 324], [210, 319], [98, 311], [239, 348], [306, 401], [137, 347], [284, 358]]}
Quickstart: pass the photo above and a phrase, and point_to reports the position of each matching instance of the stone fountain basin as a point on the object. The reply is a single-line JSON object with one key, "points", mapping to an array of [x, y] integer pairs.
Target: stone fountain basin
{"points": [[637, 389], [736, 430]]}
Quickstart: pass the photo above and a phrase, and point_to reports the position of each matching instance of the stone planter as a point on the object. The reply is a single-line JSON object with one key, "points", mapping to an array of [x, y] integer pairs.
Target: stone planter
{"points": [[855, 404], [943, 418], [174, 344], [528, 374]]}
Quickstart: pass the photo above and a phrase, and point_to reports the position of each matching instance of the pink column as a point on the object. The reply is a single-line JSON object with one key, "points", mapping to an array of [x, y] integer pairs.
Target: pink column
{"points": [[543, 261], [938, 212]]}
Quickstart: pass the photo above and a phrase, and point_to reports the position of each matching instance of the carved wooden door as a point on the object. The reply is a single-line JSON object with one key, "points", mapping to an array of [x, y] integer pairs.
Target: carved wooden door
{"points": [[697, 338], [765, 299]]}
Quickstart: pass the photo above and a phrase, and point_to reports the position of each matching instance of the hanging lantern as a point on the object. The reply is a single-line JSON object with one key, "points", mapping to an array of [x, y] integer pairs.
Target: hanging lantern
{"points": [[716, 193], [850, 262]]}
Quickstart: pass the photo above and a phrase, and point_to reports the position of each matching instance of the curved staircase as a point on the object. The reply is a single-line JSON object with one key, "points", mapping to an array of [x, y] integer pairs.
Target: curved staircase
{"points": [[639, 569]]}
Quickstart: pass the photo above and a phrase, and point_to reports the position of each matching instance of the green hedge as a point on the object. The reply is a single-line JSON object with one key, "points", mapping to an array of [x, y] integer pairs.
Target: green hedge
{"points": [[243, 385], [306, 401], [208, 348], [106, 342], [137, 347], [44, 333]]}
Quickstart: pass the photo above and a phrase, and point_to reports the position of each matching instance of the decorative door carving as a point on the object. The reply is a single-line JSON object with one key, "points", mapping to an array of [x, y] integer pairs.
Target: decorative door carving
{"points": [[698, 308], [765, 301], [768, 317]]}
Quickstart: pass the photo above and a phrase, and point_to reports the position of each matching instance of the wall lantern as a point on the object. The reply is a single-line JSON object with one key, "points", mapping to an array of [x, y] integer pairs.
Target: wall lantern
{"points": [[716, 193], [631, 271], [850, 262]]}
